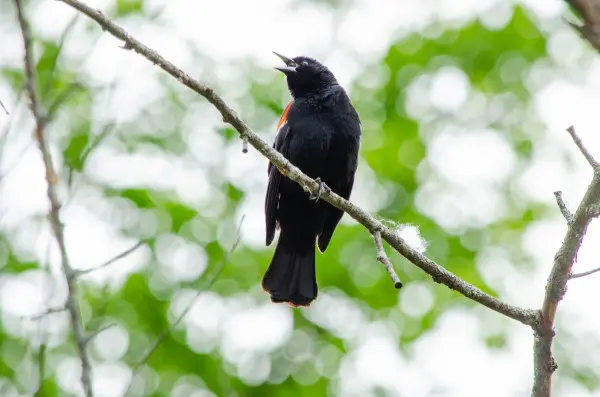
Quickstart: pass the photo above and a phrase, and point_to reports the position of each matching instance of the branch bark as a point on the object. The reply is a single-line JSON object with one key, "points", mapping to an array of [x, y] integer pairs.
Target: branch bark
{"points": [[72, 304], [589, 12], [385, 261], [437, 272], [544, 364]]}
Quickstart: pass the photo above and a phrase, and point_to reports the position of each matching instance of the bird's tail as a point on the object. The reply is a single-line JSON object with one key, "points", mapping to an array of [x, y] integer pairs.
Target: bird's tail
{"points": [[291, 273]]}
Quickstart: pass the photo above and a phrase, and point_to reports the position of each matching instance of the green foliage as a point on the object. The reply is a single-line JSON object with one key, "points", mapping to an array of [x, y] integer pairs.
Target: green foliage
{"points": [[129, 7]]}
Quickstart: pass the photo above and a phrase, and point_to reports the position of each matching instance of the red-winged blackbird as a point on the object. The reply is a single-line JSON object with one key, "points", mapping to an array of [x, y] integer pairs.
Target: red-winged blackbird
{"points": [[319, 132]]}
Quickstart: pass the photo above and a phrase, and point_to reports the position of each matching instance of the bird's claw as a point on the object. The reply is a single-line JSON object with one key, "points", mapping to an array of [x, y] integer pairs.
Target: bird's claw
{"points": [[316, 197]]}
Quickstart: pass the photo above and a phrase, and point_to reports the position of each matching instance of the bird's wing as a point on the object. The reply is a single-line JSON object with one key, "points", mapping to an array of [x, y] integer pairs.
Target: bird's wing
{"points": [[343, 162], [275, 177], [333, 215]]}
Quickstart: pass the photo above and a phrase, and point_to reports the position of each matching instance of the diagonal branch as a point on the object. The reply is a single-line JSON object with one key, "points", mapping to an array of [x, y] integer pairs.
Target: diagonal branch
{"points": [[437, 272], [544, 364], [589, 12], [588, 156], [4, 108], [40, 119], [112, 260]]}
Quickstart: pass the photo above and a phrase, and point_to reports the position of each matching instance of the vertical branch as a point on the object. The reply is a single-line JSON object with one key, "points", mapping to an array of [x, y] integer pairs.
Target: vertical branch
{"points": [[72, 305], [556, 287]]}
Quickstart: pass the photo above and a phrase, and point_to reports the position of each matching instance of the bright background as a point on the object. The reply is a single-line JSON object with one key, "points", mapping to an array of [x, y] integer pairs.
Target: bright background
{"points": [[464, 107]]}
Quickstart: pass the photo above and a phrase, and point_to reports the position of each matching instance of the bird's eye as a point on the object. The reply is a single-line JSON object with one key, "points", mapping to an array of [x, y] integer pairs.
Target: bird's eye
{"points": [[304, 63]]}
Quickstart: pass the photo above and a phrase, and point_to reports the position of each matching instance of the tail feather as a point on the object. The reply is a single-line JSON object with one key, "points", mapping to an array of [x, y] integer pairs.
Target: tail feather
{"points": [[291, 274]]}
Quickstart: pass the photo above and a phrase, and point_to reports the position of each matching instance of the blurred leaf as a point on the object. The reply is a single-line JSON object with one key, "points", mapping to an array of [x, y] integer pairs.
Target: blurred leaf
{"points": [[228, 133], [180, 214], [236, 195], [14, 76], [141, 197], [14, 265], [73, 154], [128, 7]]}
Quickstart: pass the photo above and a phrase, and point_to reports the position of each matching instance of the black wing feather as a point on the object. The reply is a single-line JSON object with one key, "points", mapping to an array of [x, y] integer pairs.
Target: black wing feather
{"points": [[275, 177], [333, 216]]}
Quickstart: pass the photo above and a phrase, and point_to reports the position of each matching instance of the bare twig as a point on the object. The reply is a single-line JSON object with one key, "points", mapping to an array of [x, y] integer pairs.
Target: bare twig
{"points": [[588, 156], [544, 364], [438, 273], [4, 108], [209, 282], [583, 274], [72, 305], [563, 207], [51, 310], [110, 261], [92, 335], [385, 261]]}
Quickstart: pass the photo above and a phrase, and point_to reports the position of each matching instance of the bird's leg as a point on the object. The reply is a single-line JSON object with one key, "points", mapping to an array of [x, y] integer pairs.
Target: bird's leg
{"points": [[319, 191]]}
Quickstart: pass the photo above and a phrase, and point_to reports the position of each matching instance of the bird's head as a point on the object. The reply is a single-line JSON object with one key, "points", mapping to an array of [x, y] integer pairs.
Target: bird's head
{"points": [[306, 76]]}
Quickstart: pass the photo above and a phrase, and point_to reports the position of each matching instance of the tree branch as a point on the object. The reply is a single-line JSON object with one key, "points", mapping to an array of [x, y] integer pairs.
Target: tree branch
{"points": [[563, 207], [385, 261], [40, 119], [110, 261], [544, 364], [437, 272], [588, 156], [589, 12]]}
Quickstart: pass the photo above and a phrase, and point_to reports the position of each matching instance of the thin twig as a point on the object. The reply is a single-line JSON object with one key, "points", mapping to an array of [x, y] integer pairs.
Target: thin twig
{"points": [[588, 156], [4, 107], [92, 335], [563, 207], [52, 310], [187, 309], [583, 274], [72, 305], [438, 273], [544, 364], [383, 258], [110, 261]]}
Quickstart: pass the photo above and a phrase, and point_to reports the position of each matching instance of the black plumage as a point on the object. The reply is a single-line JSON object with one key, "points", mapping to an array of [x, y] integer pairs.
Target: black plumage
{"points": [[319, 133]]}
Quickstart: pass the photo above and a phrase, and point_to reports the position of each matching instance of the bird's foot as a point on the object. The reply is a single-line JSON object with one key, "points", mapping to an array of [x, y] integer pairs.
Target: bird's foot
{"points": [[316, 197]]}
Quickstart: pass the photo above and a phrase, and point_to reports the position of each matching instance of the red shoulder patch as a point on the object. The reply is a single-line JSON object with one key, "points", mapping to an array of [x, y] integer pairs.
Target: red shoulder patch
{"points": [[283, 118]]}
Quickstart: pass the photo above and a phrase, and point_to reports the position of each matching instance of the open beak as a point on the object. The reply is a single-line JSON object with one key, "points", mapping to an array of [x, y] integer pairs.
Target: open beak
{"points": [[290, 65]]}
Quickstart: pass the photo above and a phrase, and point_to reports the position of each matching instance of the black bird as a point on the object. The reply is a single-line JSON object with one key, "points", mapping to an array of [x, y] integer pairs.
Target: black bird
{"points": [[319, 132]]}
